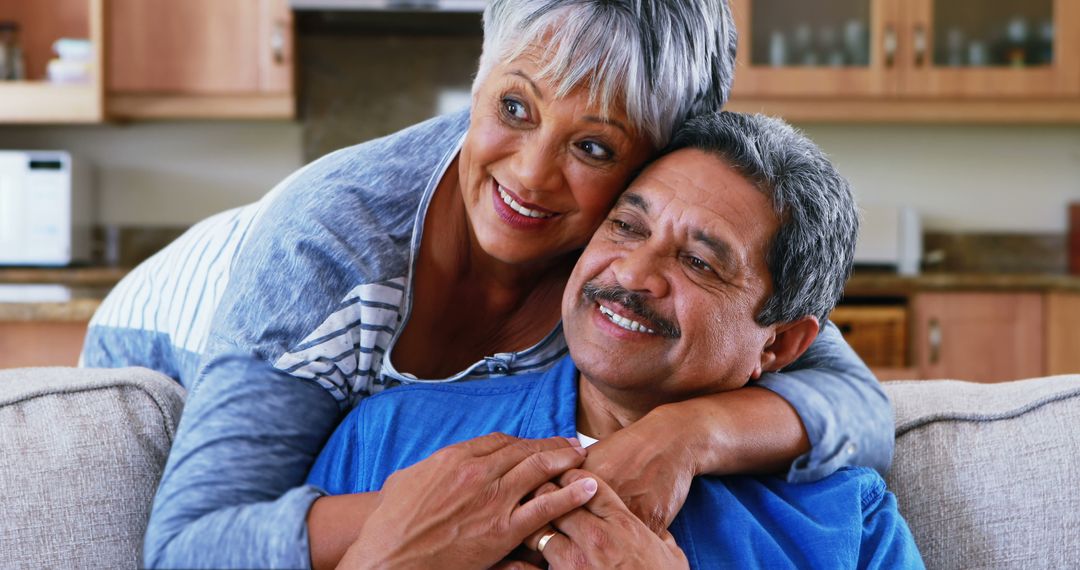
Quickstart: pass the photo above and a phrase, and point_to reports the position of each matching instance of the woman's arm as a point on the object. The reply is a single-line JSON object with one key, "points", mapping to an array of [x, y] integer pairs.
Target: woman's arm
{"points": [[825, 412], [232, 493]]}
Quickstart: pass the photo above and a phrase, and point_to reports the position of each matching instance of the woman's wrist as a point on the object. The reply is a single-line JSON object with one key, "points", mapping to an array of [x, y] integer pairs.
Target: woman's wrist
{"points": [[748, 430]]}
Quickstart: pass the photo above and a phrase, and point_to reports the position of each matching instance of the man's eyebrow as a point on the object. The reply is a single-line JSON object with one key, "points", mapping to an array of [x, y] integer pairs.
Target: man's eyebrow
{"points": [[536, 90], [719, 248], [635, 200]]}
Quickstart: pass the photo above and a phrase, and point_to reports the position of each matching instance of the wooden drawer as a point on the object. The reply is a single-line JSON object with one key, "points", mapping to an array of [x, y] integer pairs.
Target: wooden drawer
{"points": [[879, 334]]}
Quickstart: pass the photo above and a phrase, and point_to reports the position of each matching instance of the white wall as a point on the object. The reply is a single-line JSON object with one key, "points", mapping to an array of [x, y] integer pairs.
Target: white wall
{"points": [[173, 174], [962, 178]]}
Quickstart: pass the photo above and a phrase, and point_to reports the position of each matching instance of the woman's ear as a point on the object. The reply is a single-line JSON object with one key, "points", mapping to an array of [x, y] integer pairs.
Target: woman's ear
{"points": [[789, 341]]}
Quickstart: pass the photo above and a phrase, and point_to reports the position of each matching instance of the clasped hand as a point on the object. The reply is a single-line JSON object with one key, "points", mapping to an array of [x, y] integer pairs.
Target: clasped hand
{"points": [[471, 504]]}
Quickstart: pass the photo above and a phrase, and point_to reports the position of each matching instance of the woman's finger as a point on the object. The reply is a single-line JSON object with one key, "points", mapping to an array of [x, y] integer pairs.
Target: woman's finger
{"points": [[514, 565], [539, 511]]}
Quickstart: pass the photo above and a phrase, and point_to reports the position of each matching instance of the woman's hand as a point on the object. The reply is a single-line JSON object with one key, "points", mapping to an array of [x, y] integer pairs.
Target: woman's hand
{"points": [[605, 534], [469, 505], [649, 465]]}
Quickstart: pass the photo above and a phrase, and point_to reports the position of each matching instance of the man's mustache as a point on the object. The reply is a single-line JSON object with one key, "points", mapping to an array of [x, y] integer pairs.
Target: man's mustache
{"points": [[634, 302]]}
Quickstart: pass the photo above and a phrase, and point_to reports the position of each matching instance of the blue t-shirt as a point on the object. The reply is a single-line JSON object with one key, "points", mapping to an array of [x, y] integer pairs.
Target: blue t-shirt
{"points": [[847, 520]]}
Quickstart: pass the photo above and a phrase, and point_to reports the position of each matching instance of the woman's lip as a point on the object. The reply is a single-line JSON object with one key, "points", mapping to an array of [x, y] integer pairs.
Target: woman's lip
{"points": [[515, 219], [529, 205]]}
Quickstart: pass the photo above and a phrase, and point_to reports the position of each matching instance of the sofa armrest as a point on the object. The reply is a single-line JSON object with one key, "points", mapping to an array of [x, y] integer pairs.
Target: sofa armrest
{"points": [[986, 474], [81, 453]]}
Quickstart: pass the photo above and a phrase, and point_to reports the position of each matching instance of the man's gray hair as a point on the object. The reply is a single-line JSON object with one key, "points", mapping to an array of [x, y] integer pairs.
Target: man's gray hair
{"points": [[811, 255], [666, 59]]}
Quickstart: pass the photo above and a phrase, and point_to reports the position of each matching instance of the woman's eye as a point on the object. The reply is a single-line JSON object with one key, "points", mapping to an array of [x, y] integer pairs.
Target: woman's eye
{"points": [[515, 109], [595, 150]]}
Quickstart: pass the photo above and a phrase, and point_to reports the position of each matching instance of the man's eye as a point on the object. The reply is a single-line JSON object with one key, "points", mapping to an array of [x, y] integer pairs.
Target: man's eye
{"points": [[515, 109], [699, 264], [623, 228], [595, 150]]}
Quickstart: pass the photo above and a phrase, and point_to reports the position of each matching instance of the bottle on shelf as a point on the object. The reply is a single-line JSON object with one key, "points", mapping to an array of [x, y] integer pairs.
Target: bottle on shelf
{"points": [[12, 67]]}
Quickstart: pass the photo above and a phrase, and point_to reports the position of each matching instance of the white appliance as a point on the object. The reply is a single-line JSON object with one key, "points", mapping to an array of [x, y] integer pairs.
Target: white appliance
{"points": [[890, 236], [46, 208]]}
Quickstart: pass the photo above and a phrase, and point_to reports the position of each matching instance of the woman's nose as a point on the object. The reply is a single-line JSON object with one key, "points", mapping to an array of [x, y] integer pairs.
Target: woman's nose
{"points": [[537, 166], [641, 270]]}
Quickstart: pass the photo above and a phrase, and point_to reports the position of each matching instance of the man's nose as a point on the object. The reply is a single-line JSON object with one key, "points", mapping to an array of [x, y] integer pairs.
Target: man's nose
{"points": [[641, 270], [537, 165]]}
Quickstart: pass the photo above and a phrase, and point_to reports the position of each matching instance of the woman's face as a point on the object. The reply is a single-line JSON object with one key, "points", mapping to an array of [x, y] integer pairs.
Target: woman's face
{"points": [[537, 173]]}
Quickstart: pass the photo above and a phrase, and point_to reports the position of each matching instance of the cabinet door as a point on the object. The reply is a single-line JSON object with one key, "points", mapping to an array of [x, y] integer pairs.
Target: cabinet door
{"points": [[199, 47], [826, 48], [40, 343], [982, 337], [1001, 49], [1062, 333]]}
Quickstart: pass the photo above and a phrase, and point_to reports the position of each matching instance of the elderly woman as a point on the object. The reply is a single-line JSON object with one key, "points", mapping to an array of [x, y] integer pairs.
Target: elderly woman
{"points": [[439, 254]]}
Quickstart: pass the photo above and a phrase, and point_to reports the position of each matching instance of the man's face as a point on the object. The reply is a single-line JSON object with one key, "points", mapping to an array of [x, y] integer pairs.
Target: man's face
{"points": [[662, 302]]}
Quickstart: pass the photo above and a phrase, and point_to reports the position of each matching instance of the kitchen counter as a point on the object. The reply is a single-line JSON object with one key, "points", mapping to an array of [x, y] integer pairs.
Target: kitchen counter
{"points": [[54, 294], [72, 295], [872, 283]]}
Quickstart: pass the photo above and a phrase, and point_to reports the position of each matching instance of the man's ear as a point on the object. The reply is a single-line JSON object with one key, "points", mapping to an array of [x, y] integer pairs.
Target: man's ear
{"points": [[789, 341]]}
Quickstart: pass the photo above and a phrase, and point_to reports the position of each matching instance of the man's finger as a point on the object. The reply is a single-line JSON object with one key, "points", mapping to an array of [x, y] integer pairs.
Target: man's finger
{"points": [[507, 457], [486, 444], [606, 503], [538, 468], [514, 565], [560, 552], [539, 511]]}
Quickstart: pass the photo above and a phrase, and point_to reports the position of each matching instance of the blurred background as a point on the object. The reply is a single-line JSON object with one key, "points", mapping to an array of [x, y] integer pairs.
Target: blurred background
{"points": [[123, 122]]}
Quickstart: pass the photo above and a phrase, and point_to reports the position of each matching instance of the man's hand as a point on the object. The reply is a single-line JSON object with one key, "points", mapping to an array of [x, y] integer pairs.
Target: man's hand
{"points": [[605, 534], [649, 465], [469, 505]]}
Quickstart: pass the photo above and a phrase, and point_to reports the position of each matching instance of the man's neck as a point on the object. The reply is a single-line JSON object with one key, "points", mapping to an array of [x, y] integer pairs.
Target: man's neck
{"points": [[599, 415]]}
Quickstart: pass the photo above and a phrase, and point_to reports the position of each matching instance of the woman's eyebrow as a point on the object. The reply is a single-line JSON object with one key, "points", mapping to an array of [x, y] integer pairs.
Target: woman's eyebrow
{"points": [[523, 75]]}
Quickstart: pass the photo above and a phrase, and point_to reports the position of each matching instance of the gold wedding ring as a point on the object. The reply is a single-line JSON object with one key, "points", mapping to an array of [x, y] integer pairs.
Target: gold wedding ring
{"points": [[544, 540]]}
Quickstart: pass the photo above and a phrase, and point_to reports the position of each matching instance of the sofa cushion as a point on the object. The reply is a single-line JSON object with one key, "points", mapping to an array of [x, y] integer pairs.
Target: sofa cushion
{"points": [[81, 452], [986, 474]]}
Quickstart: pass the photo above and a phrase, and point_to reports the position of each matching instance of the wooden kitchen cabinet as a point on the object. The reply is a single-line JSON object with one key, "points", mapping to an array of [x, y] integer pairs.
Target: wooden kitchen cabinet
{"points": [[36, 100], [41, 343], [200, 59], [983, 337], [905, 60], [1063, 333]]}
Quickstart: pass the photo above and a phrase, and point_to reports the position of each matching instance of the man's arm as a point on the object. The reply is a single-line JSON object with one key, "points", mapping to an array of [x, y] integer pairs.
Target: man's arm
{"points": [[825, 412]]}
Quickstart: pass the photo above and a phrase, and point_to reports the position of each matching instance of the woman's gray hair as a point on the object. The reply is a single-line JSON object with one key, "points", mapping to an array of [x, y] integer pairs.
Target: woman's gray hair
{"points": [[666, 59], [811, 255]]}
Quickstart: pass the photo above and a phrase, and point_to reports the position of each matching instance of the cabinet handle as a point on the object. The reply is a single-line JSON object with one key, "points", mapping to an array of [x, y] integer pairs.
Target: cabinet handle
{"points": [[919, 43], [888, 43], [933, 337], [277, 42]]}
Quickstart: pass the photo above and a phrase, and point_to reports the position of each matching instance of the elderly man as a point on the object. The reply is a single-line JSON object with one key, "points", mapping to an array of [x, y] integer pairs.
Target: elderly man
{"points": [[725, 254]]}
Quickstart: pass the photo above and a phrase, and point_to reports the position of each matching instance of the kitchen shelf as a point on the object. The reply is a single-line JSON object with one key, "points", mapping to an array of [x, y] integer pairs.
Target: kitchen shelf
{"points": [[44, 102], [929, 110], [37, 101]]}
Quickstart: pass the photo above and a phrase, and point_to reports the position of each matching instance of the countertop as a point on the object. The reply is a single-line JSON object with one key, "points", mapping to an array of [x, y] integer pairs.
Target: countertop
{"points": [[72, 295], [864, 283], [55, 294]]}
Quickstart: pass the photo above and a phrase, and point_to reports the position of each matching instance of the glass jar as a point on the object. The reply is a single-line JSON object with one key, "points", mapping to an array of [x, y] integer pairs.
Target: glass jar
{"points": [[11, 59]]}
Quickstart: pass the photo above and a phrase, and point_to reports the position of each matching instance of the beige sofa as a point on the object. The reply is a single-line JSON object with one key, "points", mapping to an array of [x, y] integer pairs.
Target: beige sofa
{"points": [[987, 475]]}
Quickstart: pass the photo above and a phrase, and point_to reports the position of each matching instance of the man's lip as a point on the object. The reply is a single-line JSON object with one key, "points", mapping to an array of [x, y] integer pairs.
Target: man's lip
{"points": [[523, 203], [629, 315]]}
